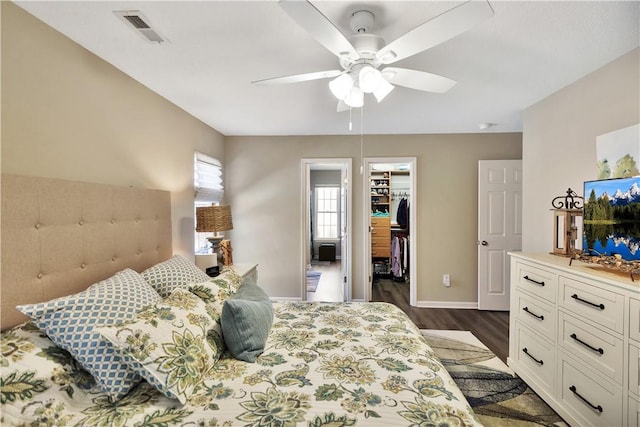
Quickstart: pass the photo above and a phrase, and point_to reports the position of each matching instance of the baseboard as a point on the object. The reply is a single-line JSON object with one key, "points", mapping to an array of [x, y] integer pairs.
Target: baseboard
{"points": [[448, 304], [420, 304]]}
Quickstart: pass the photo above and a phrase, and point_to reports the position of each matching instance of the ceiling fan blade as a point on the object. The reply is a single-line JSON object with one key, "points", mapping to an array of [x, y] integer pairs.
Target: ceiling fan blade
{"points": [[297, 78], [323, 30], [419, 80], [437, 30]]}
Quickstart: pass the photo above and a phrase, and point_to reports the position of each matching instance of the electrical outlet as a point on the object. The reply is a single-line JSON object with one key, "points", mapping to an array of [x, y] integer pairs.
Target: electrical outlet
{"points": [[446, 280]]}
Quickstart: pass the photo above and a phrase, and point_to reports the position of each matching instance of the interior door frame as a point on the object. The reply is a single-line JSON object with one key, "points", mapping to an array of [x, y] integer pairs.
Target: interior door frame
{"points": [[345, 166], [413, 227]]}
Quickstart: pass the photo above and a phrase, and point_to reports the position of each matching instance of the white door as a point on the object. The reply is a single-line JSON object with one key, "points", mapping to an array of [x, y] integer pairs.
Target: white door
{"points": [[499, 229], [345, 265]]}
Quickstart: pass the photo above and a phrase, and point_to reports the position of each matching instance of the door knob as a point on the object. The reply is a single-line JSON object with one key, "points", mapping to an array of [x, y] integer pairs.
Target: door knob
{"points": [[484, 243]]}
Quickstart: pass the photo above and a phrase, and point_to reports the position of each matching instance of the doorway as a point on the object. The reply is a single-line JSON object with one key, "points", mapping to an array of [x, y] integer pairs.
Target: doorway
{"points": [[390, 188], [326, 255]]}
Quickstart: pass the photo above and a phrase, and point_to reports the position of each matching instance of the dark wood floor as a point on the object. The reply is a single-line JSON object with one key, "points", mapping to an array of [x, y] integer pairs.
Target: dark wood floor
{"points": [[490, 327]]}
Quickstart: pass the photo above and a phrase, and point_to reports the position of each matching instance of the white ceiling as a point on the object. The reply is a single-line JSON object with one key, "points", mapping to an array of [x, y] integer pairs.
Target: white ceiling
{"points": [[525, 52]]}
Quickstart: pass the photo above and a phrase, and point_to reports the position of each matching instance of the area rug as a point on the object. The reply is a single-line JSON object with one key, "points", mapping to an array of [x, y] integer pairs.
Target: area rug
{"points": [[318, 262], [498, 397], [313, 277]]}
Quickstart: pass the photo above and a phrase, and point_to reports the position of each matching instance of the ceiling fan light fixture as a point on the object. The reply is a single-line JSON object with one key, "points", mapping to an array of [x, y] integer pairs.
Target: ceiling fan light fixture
{"points": [[341, 85], [388, 57], [369, 79], [388, 74], [384, 89], [355, 97], [364, 52]]}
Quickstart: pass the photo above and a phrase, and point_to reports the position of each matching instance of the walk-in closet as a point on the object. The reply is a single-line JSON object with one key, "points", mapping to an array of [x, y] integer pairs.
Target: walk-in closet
{"points": [[390, 187]]}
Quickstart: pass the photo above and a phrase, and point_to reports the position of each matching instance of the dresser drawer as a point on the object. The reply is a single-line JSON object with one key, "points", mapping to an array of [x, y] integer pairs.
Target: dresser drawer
{"points": [[591, 400], [634, 369], [383, 233], [536, 357], [601, 306], [381, 221], [634, 319], [601, 350], [380, 241], [537, 281], [538, 315], [381, 252]]}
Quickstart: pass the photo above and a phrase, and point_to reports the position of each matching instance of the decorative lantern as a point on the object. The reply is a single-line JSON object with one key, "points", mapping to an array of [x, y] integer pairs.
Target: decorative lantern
{"points": [[565, 232]]}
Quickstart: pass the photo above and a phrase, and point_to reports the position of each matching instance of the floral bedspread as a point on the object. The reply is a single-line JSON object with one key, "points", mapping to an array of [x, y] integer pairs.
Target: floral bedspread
{"points": [[325, 364]]}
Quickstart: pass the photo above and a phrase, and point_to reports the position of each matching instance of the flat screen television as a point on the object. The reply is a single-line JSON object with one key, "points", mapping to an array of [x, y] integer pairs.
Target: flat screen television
{"points": [[611, 217]]}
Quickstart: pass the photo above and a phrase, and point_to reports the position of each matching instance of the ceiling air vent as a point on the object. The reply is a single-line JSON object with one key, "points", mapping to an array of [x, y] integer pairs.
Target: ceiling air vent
{"points": [[141, 24]]}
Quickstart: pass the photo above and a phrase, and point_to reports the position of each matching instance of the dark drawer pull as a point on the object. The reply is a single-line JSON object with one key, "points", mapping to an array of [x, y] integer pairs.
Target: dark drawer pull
{"points": [[597, 408], [533, 281], [597, 350], [576, 297], [525, 351], [541, 317]]}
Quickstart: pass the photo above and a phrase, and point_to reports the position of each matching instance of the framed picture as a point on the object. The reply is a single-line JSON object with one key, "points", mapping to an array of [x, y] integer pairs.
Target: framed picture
{"points": [[618, 153]]}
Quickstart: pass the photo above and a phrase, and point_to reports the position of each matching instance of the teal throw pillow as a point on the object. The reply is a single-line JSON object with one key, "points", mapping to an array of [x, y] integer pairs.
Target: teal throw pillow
{"points": [[246, 320]]}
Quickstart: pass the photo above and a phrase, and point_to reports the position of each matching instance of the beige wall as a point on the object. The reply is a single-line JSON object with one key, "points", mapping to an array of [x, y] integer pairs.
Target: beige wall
{"points": [[68, 114], [559, 140], [263, 183]]}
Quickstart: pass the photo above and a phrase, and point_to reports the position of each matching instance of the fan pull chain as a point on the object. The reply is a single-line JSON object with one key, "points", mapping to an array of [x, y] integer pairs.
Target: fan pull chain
{"points": [[361, 140]]}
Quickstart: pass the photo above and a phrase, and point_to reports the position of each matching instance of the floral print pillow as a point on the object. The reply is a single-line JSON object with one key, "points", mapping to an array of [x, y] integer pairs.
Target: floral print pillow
{"points": [[173, 344], [216, 290]]}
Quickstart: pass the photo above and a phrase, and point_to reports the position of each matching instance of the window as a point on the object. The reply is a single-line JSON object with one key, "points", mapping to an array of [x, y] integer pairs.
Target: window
{"points": [[327, 212], [207, 181]]}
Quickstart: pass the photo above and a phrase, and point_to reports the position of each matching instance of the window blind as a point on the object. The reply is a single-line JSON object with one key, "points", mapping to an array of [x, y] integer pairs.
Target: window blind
{"points": [[207, 180]]}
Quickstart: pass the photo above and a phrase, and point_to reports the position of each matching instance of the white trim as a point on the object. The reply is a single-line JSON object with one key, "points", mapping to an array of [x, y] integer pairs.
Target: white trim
{"points": [[285, 299], [345, 165], [448, 304], [413, 228]]}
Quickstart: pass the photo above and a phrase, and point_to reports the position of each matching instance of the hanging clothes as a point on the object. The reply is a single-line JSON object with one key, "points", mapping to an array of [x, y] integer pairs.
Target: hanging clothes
{"points": [[402, 215], [399, 257], [405, 252], [396, 258]]}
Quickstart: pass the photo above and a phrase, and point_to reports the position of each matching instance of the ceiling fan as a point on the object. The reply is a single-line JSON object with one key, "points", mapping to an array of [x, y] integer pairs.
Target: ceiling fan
{"points": [[364, 56]]}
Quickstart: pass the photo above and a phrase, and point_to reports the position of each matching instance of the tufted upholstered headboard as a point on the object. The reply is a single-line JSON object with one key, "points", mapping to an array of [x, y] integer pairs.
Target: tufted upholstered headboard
{"points": [[58, 237]]}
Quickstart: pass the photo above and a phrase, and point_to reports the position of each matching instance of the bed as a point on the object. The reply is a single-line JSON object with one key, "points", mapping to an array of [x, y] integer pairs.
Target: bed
{"points": [[185, 349]]}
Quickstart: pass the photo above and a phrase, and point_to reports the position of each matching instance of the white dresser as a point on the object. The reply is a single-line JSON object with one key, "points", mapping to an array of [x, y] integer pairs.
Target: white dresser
{"points": [[574, 338]]}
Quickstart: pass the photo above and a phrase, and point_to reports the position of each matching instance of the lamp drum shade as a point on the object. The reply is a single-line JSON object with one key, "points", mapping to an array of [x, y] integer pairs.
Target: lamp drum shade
{"points": [[213, 218]]}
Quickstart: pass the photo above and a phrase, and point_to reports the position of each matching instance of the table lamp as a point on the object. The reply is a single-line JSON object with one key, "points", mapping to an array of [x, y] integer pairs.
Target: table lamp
{"points": [[214, 219]]}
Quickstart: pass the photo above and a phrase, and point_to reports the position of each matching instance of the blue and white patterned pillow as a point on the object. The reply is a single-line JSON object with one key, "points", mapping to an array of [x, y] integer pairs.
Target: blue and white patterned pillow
{"points": [[173, 344], [70, 323], [173, 273]]}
